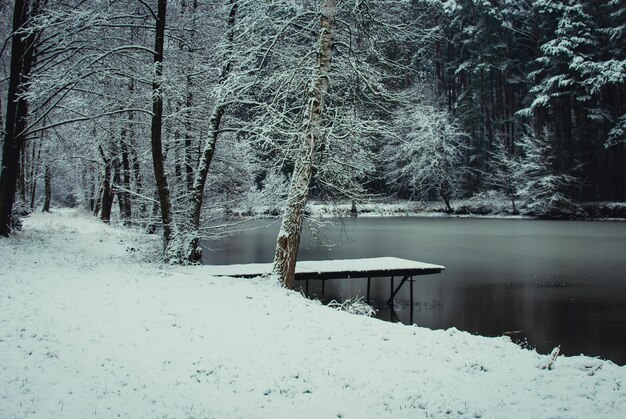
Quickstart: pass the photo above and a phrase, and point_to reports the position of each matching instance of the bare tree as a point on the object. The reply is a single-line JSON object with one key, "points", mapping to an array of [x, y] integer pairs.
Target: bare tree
{"points": [[22, 53], [224, 99], [426, 155], [156, 129]]}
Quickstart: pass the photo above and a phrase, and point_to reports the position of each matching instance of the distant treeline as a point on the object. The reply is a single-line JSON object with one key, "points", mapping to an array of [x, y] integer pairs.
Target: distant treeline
{"points": [[556, 67]]}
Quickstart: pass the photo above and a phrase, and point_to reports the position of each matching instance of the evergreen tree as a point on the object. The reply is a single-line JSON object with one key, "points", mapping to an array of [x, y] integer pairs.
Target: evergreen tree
{"points": [[543, 189]]}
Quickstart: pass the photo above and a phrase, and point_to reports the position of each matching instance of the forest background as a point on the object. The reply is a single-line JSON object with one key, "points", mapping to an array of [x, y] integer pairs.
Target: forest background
{"points": [[180, 113]]}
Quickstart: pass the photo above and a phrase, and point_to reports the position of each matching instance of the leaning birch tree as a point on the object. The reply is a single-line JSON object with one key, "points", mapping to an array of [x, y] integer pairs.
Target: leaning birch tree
{"points": [[336, 71], [291, 227]]}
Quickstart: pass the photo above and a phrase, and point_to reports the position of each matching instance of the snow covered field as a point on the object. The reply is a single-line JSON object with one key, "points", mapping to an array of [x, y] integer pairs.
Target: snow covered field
{"points": [[92, 326]]}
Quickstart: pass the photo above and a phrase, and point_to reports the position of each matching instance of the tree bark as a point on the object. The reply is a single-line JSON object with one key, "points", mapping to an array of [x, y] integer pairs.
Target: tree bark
{"points": [[136, 170], [127, 211], [291, 228], [47, 189], [157, 128], [33, 174], [21, 180], [97, 203], [22, 54], [188, 147], [115, 184], [106, 202], [134, 158]]}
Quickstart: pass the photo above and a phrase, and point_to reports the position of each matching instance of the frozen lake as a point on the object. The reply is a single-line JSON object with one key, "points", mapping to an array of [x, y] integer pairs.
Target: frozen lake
{"points": [[545, 283]]}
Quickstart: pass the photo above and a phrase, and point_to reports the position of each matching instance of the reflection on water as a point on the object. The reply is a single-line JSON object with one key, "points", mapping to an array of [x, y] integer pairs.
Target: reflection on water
{"points": [[546, 283]]}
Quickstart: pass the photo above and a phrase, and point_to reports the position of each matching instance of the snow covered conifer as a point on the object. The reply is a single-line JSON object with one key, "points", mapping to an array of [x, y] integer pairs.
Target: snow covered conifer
{"points": [[543, 189]]}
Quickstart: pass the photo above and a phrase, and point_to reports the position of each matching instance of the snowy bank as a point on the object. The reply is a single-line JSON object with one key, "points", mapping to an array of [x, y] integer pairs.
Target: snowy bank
{"points": [[388, 208], [90, 327], [479, 206]]}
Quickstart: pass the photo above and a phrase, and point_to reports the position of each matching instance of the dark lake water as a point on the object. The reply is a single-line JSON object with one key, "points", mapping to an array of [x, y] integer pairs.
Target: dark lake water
{"points": [[544, 283]]}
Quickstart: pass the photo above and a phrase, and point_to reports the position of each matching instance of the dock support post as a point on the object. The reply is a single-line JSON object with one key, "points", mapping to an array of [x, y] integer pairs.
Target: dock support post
{"points": [[390, 300], [323, 285], [394, 292], [306, 287], [369, 283], [411, 311]]}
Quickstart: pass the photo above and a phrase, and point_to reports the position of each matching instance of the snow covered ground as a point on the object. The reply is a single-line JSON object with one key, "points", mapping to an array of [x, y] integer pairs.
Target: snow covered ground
{"points": [[91, 325], [483, 208]]}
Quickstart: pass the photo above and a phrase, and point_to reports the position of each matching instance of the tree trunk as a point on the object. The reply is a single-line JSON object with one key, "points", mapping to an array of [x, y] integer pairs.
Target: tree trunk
{"points": [[117, 181], [190, 155], [151, 225], [89, 190], [446, 201], [157, 128], [107, 196], [291, 228], [22, 53], [106, 201], [193, 254], [33, 174], [134, 159], [136, 165], [127, 213], [47, 189], [21, 180], [97, 203], [190, 161]]}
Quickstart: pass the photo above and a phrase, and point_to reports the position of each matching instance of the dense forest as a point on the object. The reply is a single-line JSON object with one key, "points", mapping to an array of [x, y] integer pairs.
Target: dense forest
{"points": [[556, 66], [172, 113]]}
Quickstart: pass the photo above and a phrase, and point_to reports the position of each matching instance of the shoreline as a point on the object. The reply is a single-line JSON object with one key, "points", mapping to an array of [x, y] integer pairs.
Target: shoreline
{"points": [[323, 210]]}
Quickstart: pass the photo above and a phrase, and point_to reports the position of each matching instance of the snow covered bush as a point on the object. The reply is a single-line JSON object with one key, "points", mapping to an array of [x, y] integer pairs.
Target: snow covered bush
{"points": [[354, 306], [426, 156]]}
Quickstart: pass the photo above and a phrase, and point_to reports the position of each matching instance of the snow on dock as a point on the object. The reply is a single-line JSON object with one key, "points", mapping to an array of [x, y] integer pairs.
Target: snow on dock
{"points": [[389, 267], [336, 269]]}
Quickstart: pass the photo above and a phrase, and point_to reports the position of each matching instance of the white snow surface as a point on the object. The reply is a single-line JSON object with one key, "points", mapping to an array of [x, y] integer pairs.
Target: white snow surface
{"points": [[91, 327], [364, 265]]}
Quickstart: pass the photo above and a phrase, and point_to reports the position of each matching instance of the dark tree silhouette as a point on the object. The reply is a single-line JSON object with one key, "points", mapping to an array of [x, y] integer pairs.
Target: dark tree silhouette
{"points": [[22, 53]]}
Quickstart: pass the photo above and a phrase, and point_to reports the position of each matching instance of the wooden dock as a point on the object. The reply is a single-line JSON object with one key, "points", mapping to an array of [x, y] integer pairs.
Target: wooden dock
{"points": [[380, 267]]}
